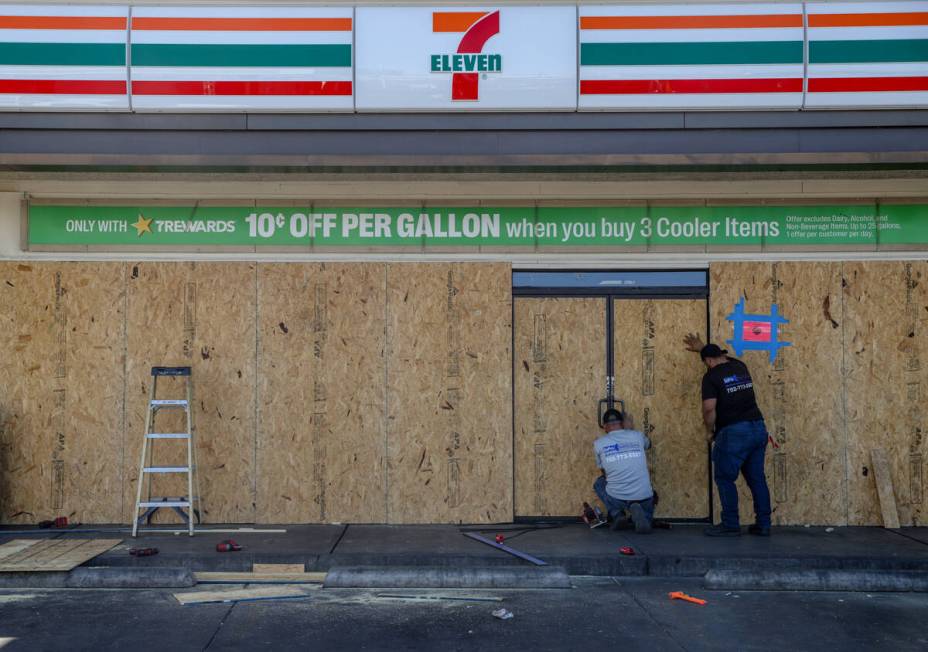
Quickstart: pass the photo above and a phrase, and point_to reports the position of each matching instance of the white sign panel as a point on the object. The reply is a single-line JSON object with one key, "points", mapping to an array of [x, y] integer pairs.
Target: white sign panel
{"points": [[460, 58]]}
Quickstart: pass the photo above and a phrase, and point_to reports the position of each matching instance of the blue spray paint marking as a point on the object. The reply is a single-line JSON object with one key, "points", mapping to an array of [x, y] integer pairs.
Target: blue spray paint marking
{"points": [[763, 340]]}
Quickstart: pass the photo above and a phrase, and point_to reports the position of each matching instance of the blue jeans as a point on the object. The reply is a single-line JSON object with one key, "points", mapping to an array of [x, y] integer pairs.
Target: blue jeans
{"points": [[740, 447], [617, 507]]}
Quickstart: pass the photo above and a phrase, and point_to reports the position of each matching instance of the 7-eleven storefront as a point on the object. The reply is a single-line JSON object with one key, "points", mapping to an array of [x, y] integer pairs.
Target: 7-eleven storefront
{"points": [[410, 253]]}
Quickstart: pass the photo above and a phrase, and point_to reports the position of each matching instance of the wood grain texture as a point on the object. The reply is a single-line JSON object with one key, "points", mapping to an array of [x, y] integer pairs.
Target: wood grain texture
{"points": [[61, 414], [886, 307], [46, 555], [882, 475], [321, 388], [448, 398], [801, 395], [659, 382], [559, 376], [200, 315]]}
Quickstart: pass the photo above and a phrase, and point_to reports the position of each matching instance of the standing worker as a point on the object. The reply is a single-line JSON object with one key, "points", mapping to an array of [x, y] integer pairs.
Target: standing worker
{"points": [[736, 426], [625, 484]]}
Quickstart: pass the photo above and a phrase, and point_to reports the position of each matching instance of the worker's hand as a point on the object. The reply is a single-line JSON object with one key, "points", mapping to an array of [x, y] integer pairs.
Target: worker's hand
{"points": [[692, 342]]}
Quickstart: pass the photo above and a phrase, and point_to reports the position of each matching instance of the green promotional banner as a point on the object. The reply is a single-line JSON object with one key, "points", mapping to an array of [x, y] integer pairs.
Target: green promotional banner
{"points": [[509, 227]]}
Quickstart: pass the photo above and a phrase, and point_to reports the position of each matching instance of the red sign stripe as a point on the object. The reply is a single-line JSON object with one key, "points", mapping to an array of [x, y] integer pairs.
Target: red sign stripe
{"points": [[867, 84], [466, 86], [691, 22], [671, 86], [292, 24], [63, 86], [241, 87]]}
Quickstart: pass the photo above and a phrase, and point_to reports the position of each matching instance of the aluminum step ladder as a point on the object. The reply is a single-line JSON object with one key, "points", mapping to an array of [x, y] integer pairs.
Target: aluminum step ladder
{"points": [[192, 500]]}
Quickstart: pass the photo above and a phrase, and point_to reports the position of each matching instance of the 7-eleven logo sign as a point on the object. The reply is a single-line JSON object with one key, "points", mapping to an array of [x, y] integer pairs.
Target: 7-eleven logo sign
{"points": [[468, 63]]}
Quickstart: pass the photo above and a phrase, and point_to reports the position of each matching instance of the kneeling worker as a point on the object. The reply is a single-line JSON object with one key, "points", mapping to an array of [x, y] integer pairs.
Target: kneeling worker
{"points": [[625, 484]]}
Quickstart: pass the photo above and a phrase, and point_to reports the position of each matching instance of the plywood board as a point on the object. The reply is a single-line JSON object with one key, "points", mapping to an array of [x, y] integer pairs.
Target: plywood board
{"points": [[559, 377], [51, 554], [660, 383], [28, 352], [61, 417], [449, 399], [882, 475], [277, 568], [259, 578], [320, 393], [802, 393], [242, 595], [886, 306], [200, 315]]}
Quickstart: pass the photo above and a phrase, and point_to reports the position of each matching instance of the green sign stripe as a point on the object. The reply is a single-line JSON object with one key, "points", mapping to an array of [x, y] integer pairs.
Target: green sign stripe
{"points": [[889, 51], [271, 56], [672, 54], [62, 54]]}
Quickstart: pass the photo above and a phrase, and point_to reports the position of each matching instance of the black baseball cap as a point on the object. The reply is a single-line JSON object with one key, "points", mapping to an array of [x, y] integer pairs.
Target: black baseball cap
{"points": [[711, 351], [612, 415]]}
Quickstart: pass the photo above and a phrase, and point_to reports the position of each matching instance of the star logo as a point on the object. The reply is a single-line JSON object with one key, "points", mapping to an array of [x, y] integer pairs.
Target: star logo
{"points": [[142, 225]]}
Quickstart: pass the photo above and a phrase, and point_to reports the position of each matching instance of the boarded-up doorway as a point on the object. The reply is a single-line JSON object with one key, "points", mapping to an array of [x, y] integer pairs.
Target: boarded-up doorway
{"points": [[562, 348]]}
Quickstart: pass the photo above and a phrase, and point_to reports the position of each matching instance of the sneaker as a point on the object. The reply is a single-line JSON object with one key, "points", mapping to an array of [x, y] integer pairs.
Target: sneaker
{"points": [[722, 531], [642, 524], [759, 530]]}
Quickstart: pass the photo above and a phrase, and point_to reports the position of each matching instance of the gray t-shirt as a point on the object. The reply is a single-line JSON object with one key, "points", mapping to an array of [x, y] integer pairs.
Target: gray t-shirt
{"points": [[620, 454]]}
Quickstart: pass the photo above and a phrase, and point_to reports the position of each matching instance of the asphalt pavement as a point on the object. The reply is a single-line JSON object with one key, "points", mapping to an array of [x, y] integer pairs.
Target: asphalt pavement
{"points": [[598, 612]]}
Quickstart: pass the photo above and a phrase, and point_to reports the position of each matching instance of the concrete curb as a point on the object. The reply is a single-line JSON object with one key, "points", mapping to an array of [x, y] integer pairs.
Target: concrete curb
{"points": [[431, 577], [91, 577], [104, 577], [818, 580]]}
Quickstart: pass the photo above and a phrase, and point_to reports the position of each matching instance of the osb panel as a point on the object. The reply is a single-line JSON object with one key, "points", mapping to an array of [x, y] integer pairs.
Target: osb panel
{"points": [[61, 414], [449, 415], [559, 375], [801, 394], [320, 393], [200, 315], [886, 308], [28, 413], [659, 382]]}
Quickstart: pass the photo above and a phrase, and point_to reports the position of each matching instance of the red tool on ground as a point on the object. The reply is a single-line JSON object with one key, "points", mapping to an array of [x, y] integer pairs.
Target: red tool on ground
{"points": [[627, 550], [228, 546], [680, 595], [500, 538], [143, 552]]}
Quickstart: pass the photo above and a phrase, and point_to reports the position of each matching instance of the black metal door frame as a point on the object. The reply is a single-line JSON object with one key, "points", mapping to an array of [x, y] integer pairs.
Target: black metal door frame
{"points": [[610, 295]]}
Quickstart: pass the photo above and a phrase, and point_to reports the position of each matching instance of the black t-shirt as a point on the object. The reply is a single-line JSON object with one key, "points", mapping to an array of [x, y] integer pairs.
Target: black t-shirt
{"points": [[731, 385]]}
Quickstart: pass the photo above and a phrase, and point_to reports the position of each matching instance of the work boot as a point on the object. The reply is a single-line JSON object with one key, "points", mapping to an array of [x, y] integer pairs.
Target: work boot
{"points": [[722, 531], [642, 524], [759, 530]]}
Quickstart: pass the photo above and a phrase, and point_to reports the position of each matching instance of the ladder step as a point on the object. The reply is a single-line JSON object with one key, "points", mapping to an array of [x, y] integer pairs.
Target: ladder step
{"points": [[168, 435], [165, 503], [169, 402], [166, 469]]}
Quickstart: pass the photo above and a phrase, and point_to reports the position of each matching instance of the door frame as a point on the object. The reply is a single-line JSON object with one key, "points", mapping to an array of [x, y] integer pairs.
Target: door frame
{"points": [[609, 293]]}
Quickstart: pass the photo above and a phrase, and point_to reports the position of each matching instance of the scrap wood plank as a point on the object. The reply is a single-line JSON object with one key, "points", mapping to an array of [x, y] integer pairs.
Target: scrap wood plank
{"points": [[884, 488], [277, 568], [52, 554], [259, 578], [242, 595]]}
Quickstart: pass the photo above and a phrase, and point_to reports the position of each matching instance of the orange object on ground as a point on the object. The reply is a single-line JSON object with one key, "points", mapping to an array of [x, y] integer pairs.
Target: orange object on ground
{"points": [[680, 595]]}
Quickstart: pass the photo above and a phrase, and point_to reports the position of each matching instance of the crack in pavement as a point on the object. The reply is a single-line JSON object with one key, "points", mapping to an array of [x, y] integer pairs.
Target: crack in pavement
{"points": [[650, 616], [222, 622]]}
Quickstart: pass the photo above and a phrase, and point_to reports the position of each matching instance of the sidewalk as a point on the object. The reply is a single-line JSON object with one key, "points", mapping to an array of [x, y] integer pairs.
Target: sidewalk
{"points": [[681, 552]]}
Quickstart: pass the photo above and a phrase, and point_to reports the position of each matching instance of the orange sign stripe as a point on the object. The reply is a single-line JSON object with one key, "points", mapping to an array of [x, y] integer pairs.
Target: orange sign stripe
{"points": [[869, 20], [689, 22], [243, 24], [62, 22], [455, 21]]}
